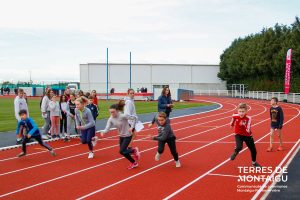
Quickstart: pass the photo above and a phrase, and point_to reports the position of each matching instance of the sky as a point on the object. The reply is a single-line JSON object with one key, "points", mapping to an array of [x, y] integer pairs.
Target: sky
{"points": [[49, 39]]}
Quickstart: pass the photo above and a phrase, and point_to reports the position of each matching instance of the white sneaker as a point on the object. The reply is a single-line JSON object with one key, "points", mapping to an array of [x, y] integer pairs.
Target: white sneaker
{"points": [[178, 164], [91, 155], [157, 156], [94, 141]]}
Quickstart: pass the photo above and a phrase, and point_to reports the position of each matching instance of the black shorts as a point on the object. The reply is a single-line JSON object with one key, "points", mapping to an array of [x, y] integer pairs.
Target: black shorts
{"points": [[276, 126]]}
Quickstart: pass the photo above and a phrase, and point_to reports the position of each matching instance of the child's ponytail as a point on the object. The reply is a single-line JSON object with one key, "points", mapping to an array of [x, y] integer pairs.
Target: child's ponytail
{"points": [[118, 106], [83, 100]]}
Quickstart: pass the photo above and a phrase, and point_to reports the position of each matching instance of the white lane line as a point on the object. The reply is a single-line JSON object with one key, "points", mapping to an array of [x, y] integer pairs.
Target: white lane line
{"points": [[225, 161]]}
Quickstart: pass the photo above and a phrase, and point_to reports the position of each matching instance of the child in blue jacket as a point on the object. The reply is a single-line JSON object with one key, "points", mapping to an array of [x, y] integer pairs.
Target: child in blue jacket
{"points": [[30, 130]]}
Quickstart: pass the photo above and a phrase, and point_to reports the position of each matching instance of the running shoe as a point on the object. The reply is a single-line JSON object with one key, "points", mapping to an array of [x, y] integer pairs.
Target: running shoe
{"points": [[178, 164], [157, 156], [21, 154], [91, 155], [270, 149], [137, 153], [232, 157], [52, 153], [94, 141], [133, 165], [280, 148], [256, 165]]}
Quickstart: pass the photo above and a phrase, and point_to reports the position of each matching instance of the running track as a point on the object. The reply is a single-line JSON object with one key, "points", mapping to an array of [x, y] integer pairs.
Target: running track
{"points": [[204, 143]]}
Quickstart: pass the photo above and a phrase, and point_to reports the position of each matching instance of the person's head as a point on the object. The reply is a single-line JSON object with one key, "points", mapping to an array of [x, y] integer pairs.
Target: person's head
{"points": [[23, 114], [242, 109], [166, 91], [72, 96], [94, 93], [80, 93], [81, 102], [130, 93], [90, 99], [67, 91], [49, 93], [274, 101], [21, 93], [63, 98], [115, 108], [54, 98], [161, 118]]}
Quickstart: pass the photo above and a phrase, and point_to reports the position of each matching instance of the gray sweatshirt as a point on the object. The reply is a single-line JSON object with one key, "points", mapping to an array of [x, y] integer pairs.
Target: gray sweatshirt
{"points": [[84, 118], [164, 132], [45, 104], [121, 123], [20, 104], [129, 110], [54, 109]]}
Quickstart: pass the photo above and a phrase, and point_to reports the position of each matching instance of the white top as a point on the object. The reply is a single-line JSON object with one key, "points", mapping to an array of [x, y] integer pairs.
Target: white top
{"points": [[129, 110], [63, 106], [20, 104]]}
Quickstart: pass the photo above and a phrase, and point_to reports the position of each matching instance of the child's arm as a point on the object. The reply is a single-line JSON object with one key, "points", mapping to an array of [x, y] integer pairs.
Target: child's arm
{"points": [[34, 128], [108, 126], [68, 110], [90, 119], [281, 118], [232, 122]]}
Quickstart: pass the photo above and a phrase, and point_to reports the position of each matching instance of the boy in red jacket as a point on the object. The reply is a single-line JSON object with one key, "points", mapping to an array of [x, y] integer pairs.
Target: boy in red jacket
{"points": [[242, 129]]}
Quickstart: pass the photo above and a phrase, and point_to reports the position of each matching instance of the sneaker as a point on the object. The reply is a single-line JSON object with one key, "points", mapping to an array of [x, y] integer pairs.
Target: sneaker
{"points": [[232, 157], [19, 142], [157, 156], [256, 165], [94, 141], [133, 165], [58, 136], [52, 153], [91, 155], [280, 148], [178, 164], [270, 149], [21, 154], [137, 153], [67, 139]]}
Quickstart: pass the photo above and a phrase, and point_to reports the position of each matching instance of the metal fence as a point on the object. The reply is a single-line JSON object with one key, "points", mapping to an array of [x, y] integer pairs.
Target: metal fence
{"points": [[264, 95]]}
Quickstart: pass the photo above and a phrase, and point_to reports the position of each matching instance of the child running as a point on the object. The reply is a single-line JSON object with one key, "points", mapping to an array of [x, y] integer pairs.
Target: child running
{"points": [[165, 135], [63, 108], [120, 121], [242, 129], [30, 131], [86, 124], [276, 115], [55, 116]]}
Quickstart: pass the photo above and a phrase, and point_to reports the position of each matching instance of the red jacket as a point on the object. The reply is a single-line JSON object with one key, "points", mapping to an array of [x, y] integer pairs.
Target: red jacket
{"points": [[242, 126]]}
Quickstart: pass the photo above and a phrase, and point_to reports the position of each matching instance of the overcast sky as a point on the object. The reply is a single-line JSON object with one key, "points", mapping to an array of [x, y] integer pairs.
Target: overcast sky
{"points": [[51, 38]]}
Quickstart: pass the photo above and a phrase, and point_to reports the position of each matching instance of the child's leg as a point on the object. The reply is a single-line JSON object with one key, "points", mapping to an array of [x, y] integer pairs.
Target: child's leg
{"points": [[65, 123], [124, 142], [52, 125], [238, 143], [57, 125], [83, 137], [172, 147], [133, 138], [39, 139], [90, 133], [272, 137], [238, 146], [61, 125], [24, 142], [161, 147], [251, 145], [280, 136]]}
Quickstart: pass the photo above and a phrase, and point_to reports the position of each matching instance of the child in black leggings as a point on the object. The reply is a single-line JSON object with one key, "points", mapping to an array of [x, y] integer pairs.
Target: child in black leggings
{"points": [[165, 135]]}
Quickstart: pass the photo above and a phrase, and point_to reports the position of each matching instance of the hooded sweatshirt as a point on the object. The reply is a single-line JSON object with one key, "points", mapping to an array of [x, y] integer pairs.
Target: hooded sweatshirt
{"points": [[20, 104], [54, 109], [129, 110], [165, 131], [121, 123], [84, 118]]}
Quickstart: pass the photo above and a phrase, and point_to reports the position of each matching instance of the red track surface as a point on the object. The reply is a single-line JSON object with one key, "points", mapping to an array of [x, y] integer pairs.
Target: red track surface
{"points": [[204, 144]]}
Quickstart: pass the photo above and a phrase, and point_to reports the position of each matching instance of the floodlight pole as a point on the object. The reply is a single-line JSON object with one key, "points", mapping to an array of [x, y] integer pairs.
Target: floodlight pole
{"points": [[106, 73], [130, 70]]}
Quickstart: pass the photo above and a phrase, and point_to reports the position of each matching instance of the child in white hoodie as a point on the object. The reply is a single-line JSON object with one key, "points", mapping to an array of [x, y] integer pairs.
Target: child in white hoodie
{"points": [[55, 116]]}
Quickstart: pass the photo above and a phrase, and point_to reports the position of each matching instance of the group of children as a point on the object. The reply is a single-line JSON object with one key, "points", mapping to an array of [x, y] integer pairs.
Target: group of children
{"points": [[124, 118]]}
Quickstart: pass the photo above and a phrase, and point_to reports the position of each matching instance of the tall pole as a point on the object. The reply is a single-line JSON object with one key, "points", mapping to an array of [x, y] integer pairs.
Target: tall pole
{"points": [[106, 73], [130, 70]]}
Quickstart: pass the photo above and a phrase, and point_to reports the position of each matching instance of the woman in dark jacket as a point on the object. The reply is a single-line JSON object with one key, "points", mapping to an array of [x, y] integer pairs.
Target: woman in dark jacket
{"points": [[165, 103]]}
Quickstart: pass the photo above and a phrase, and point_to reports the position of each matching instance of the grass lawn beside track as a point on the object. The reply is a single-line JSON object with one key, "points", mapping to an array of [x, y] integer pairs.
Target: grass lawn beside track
{"points": [[8, 121]]}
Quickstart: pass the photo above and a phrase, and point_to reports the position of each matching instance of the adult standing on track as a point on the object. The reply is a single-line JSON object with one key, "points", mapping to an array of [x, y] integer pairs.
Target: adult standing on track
{"points": [[165, 103], [129, 110], [20, 104], [46, 110]]}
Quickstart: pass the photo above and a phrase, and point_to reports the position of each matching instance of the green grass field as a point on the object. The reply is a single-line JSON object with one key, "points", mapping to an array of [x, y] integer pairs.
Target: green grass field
{"points": [[8, 121]]}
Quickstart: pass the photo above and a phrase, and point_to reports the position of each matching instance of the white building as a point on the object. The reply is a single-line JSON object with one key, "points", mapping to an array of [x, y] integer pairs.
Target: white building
{"points": [[185, 76]]}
